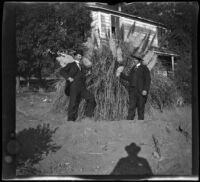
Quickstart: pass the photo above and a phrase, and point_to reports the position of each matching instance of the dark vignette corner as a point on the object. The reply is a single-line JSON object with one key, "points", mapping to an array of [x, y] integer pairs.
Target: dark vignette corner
{"points": [[8, 86], [195, 112]]}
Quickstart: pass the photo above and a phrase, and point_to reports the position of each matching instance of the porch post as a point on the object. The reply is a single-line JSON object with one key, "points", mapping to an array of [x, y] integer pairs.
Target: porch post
{"points": [[172, 58]]}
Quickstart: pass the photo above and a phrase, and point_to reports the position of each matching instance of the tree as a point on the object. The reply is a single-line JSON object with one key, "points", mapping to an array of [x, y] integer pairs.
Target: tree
{"points": [[44, 28], [179, 18]]}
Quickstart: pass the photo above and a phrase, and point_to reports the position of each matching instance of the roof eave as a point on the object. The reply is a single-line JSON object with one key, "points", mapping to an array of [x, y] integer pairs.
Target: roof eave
{"points": [[128, 15], [165, 53]]}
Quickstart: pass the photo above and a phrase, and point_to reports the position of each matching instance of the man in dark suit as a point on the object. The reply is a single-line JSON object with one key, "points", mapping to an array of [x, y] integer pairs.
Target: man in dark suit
{"points": [[75, 75], [139, 83]]}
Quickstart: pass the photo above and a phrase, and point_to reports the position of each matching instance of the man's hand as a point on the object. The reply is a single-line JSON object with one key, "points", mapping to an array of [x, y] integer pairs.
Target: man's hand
{"points": [[118, 74], [144, 92], [119, 70], [70, 79]]}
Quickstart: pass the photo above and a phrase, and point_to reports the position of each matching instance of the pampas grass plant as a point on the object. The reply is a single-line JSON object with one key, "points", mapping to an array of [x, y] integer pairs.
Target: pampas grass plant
{"points": [[107, 88], [110, 92]]}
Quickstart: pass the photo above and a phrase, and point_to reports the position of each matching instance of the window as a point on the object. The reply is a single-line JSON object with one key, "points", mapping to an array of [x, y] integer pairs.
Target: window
{"points": [[161, 34], [114, 24], [103, 25]]}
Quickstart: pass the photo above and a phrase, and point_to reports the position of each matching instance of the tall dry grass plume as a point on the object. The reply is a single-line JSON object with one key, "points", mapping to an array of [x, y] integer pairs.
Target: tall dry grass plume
{"points": [[60, 100]]}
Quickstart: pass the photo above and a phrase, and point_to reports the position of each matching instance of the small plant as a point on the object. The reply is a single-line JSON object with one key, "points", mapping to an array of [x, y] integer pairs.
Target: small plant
{"points": [[60, 101], [27, 170], [36, 143]]}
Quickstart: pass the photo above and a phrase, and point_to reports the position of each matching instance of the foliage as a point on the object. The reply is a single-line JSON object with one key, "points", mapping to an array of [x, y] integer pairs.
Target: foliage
{"points": [[179, 17], [35, 143], [43, 29], [163, 92], [61, 101], [27, 170]]}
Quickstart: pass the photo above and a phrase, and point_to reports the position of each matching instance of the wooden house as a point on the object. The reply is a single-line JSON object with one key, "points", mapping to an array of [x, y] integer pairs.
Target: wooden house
{"points": [[107, 20]]}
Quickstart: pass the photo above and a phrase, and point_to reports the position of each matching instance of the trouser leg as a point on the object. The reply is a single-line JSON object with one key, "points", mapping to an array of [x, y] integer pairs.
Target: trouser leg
{"points": [[132, 104], [141, 106], [73, 105], [90, 102], [77, 103]]}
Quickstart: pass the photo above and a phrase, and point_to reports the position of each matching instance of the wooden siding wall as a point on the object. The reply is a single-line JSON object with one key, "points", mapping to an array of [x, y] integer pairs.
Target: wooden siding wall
{"points": [[102, 23], [105, 24], [94, 23], [95, 26]]}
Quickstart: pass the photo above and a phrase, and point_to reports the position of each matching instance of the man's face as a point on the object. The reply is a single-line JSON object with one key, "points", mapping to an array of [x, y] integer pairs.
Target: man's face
{"points": [[136, 61], [78, 57]]}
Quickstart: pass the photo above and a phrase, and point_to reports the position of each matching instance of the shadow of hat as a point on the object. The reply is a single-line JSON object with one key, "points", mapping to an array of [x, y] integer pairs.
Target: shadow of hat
{"points": [[132, 148]]}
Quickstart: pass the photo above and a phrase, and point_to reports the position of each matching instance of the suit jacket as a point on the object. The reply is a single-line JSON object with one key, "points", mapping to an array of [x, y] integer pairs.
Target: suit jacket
{"points": [[139, 78], [73, 71]]}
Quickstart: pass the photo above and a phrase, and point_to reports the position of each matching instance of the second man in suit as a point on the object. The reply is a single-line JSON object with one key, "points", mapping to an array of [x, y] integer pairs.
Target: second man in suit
{"points": [[139, 83]]}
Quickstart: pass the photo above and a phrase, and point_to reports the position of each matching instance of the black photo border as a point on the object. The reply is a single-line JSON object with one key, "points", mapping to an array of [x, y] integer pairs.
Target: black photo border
{"points": [[9, 96]]}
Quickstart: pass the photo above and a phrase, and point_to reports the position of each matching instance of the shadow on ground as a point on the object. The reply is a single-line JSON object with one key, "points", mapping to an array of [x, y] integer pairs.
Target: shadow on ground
{"points": [[34, 144], [132, 164]]}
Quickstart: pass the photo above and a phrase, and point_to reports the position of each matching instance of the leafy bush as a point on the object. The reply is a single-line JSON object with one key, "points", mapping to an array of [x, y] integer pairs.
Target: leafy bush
{"points": [[163, 91]]}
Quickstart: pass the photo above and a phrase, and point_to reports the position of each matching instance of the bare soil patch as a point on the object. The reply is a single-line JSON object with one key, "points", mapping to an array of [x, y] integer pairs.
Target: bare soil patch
{"points": [[160, 145]]}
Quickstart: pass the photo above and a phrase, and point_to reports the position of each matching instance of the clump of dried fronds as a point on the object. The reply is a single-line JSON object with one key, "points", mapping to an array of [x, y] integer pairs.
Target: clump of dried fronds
{"points": [[60, 100], [111, 97]]}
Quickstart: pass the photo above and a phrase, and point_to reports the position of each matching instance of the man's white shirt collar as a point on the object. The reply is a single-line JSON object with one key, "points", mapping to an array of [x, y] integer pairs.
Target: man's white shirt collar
{"points": [[138, 65], [76, 61]]}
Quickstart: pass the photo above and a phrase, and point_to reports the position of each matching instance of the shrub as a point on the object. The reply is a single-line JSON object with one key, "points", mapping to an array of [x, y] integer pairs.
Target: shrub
{"points": [[163, 91], [60, 100]]}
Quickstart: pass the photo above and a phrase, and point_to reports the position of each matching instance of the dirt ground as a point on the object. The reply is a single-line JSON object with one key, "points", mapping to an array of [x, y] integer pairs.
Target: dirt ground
{"points": [[49, 145]]}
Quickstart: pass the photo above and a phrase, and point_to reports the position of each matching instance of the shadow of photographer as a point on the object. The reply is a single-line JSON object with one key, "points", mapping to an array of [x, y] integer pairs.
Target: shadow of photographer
{"points": [[132, 164]]}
